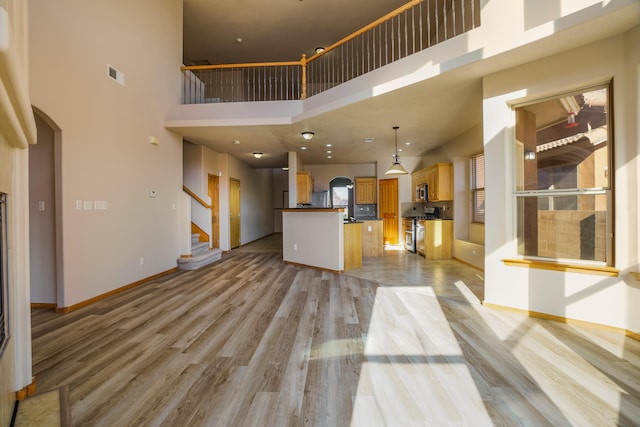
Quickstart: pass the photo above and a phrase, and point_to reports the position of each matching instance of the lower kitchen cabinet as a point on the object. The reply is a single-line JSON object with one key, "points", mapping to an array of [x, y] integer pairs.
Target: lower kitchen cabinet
{"points": [[372, 239], [438, 238], [352, 245]]}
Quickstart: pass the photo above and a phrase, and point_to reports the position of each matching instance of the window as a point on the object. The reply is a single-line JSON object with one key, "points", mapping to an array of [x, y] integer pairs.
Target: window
{"points": [[477, 188], [4, 276], [563, 189]]}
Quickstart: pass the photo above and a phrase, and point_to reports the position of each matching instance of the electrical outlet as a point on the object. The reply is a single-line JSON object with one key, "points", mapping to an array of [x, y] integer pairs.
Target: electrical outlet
{"points": [[295, 247], [141, 261]]}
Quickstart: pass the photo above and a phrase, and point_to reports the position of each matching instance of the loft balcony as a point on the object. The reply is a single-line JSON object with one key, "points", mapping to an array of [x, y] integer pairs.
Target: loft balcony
{"points": [[410, 29]]}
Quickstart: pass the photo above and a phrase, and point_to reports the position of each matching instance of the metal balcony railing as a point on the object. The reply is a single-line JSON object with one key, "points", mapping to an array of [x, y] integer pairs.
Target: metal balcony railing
{"points": [[411, 28]]}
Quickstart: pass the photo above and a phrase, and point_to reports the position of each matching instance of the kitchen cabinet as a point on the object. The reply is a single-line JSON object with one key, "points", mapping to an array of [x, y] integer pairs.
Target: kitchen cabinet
{"points": [[304, 183], [352, 245], [372, 239], [366, 191], [440, 182], [438, 238], [439, 178]]}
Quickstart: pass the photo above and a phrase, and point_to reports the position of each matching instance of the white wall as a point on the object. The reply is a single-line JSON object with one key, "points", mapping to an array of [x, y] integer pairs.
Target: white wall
{"points": [[314, 238], [105, 129], [605, 300]]}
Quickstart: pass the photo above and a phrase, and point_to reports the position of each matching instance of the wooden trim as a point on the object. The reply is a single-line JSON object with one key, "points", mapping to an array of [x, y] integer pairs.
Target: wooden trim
{"points": [[27, 391], [573, 268], [43, 305], [195, 196], [113, 292], [562, 319], [468, 264], [203, 236], [366, 28], [244, 65]]}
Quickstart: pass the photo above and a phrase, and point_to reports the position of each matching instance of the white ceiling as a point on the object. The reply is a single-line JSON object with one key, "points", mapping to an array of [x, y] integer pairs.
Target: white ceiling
{"points": [[429, 113]]}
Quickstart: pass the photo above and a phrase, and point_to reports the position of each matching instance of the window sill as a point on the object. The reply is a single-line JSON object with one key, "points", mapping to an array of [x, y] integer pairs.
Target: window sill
{"points": [[573, 268]]}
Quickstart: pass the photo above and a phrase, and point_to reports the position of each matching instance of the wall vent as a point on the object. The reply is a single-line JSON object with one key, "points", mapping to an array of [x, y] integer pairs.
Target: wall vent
{"points": [[115, 74]]}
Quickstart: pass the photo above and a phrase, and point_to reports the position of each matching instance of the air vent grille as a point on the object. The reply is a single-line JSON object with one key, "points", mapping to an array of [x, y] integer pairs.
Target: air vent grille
{"points": [[115, 74]]}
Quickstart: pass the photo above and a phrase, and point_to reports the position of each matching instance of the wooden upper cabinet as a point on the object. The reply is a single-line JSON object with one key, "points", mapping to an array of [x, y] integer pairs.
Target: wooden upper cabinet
{"points": [[366, 193], [439, 178], [304, 182]]}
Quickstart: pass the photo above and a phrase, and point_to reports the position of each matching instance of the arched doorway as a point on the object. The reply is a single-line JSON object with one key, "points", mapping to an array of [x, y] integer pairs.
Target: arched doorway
{"points": [[45, 214], [341, 194]]}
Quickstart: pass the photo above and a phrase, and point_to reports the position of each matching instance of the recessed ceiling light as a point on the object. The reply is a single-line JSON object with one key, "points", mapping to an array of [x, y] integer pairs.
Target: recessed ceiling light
{"points": [[257, 155], [329, 151], [368, 140], [236, 142], [285, 169], [239, 40], [303, 148], [329, 145], [399, 149], [407, 143], [328, 157]]}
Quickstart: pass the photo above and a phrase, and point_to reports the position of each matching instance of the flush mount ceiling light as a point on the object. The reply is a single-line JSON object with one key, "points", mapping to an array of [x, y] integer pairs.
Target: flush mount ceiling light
{"points": [[307, 135], [396, 168], [257, 155], [319, 49]]}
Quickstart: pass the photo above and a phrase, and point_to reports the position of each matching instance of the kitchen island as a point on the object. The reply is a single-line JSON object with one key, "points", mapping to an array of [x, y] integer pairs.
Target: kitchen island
{"points": [[321, 238]]}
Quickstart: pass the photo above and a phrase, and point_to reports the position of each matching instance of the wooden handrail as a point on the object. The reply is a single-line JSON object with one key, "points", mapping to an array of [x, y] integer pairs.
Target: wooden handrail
{"points": [[366, 28], [195, 196], [246, 65]]}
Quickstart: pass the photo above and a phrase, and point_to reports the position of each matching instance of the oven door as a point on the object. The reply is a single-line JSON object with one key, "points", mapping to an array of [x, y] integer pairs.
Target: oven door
{"points": [[408, 224], [408, 241]]}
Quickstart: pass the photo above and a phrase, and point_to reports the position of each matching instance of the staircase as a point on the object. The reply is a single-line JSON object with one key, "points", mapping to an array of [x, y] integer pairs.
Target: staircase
{"points": [[200, 255]]}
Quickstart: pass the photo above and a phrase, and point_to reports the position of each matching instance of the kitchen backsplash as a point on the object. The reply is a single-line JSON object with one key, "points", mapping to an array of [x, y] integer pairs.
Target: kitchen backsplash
{"points": [[445, 209], [366, 211]]}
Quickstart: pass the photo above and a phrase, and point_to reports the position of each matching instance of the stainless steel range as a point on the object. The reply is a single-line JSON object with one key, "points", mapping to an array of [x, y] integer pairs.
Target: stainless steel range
{"points": [[410, 227]]}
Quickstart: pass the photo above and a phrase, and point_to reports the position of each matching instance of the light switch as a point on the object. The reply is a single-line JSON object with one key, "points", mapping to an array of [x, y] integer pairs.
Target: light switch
{"points": [[88, 205], [78, 205], [41, 205]]}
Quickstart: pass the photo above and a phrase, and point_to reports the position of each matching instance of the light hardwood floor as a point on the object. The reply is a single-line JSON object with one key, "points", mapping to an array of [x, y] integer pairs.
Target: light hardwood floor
{"points": [[250, 341]]}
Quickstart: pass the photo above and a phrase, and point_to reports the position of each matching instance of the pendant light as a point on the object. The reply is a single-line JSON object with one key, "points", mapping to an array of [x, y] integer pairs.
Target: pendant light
{"points": [[396, 168]]}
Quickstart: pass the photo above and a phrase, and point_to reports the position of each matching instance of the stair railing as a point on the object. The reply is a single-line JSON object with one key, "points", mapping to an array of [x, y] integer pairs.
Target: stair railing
{"points": [[200, 218], [415, 26]]}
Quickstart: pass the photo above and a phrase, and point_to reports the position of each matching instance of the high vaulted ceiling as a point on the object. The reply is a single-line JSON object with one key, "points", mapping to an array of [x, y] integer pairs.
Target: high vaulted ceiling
{"points": [[429, 113], [271, 30]]}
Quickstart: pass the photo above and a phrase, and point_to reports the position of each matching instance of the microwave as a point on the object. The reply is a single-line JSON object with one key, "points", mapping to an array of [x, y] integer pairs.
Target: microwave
{"points": [[422, 193]]}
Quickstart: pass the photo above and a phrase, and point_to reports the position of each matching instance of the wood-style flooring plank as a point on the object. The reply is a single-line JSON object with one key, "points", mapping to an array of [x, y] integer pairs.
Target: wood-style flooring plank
{"points": [[250, 341]]}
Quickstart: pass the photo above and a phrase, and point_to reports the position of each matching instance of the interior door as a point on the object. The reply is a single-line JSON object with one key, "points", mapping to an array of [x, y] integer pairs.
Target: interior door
{"points": [[388, 203], [214, 195], [234, 212]]}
